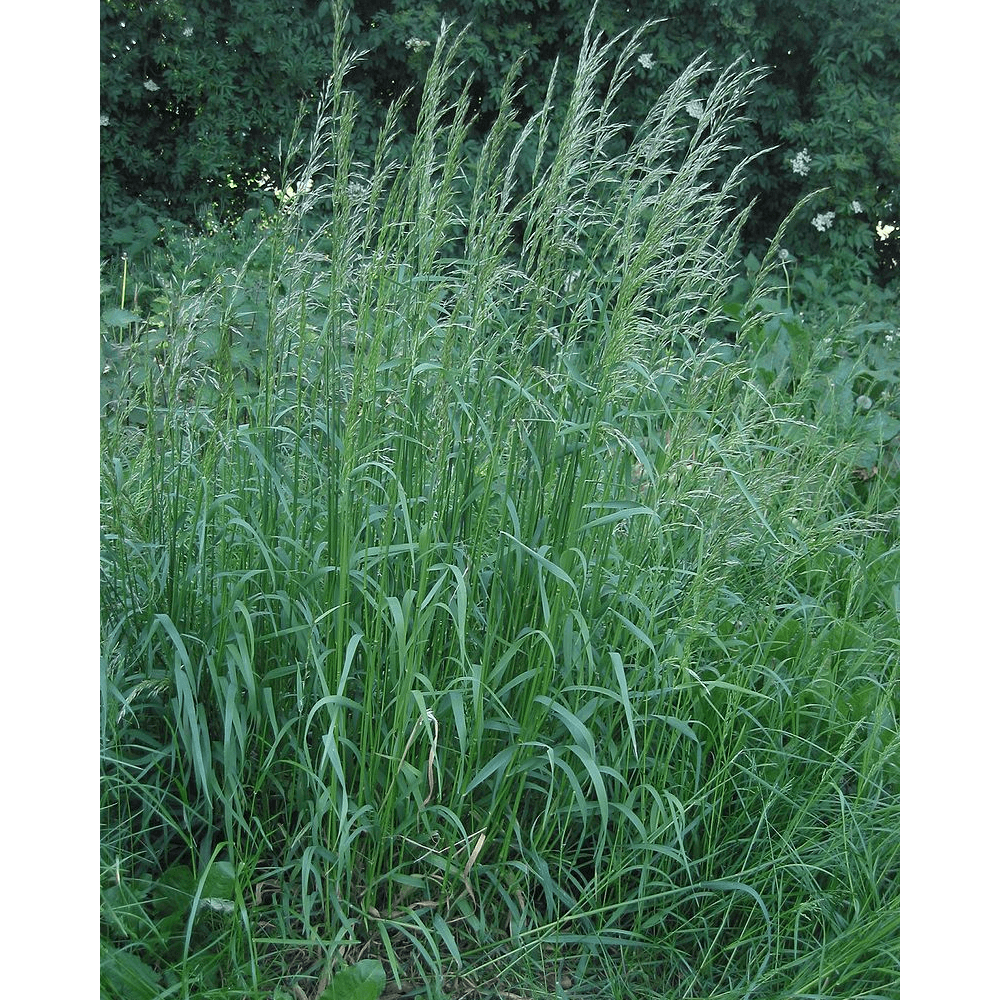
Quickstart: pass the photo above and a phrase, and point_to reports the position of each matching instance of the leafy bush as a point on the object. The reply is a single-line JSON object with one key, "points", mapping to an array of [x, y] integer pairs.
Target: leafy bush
{"points": [[195, 95], [229, 79]]}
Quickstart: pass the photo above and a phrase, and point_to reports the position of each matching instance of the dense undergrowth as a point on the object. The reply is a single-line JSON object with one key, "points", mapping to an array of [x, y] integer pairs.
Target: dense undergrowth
{"points": [[512, 618]]}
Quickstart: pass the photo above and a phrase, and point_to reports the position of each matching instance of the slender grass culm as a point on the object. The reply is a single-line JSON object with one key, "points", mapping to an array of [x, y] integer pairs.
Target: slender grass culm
{"points": [[468, 607]]}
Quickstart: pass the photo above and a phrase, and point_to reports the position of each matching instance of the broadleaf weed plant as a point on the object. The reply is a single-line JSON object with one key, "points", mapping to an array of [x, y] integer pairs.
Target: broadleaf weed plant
{"points": [[466, 608]]}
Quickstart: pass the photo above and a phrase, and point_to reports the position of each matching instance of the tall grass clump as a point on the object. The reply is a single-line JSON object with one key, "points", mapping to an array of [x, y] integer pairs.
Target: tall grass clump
{"points": [[464, 608]]}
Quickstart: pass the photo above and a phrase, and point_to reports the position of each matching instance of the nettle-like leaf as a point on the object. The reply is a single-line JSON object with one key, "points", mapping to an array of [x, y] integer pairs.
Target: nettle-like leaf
{"points": [[364, 981], [117, 318]]}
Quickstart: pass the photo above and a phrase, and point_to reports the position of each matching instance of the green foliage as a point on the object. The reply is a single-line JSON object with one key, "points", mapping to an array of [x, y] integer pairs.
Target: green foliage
{"points": [[166, 931], [194, 98], [207, 140], [364, 981], [842, 364]]}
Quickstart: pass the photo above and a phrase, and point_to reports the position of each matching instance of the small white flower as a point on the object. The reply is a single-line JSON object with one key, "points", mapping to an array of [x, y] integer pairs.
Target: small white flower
{"points": [[695, 108], [416, 44], [856, 207], [149, 85], [188, 31], [105, 121], [884, 231], [219, 905], [571, 279], [823, 221], [784, 256], [646, 60], [800, 162], [864, 403]]}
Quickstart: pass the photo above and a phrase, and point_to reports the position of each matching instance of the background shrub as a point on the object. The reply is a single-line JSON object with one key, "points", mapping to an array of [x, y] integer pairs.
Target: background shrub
{"points": [[197, 96]]}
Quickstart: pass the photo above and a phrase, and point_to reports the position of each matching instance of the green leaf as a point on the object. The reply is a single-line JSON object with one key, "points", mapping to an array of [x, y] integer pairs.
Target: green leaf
{"points": [[177, 885], [126, 975], [881, 426], [219, 886], [619, 668], [364, 981], [119, 317], [542, 561]]}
